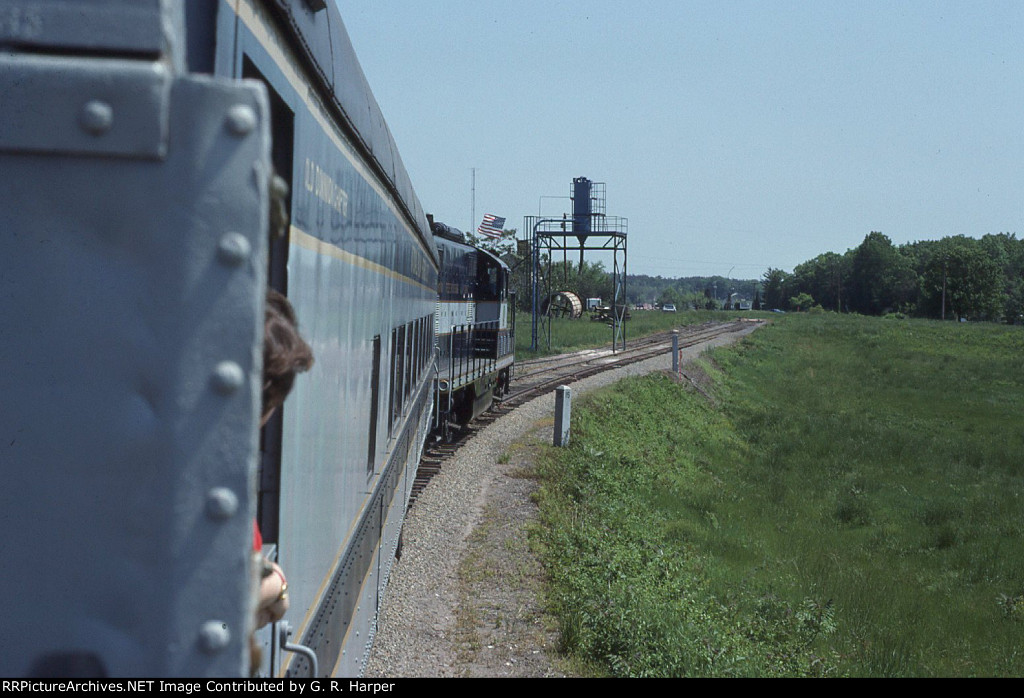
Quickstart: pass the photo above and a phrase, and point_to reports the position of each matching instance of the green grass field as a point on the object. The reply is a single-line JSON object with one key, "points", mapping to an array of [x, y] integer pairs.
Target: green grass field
{"points": [[850, 506]]}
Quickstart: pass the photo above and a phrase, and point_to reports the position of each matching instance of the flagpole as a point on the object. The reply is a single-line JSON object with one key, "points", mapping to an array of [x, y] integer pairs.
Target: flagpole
{"points": [[472, 220]]}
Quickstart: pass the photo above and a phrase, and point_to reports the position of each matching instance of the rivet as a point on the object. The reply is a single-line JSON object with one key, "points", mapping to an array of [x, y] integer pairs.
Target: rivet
{"points": [[233, 249], [221, 503], [228, 377], [241, 119], [214, 636], [97, 117]]}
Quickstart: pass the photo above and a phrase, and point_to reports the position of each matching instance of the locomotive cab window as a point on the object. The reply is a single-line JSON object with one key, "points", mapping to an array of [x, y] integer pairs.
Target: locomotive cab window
{"points": [[488, 280]]}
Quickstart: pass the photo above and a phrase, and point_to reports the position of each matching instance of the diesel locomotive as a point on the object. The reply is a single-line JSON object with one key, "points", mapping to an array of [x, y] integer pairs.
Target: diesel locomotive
{"points": [[475, 329]]}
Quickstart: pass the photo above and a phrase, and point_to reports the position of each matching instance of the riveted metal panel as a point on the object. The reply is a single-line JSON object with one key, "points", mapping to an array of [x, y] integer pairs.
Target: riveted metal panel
{"points": [[130, 330], [90, 106], [135, 26]]}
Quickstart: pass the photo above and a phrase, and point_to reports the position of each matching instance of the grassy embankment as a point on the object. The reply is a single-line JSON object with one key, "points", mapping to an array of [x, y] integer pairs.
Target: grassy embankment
{"points": [[573, 335], [852, 506]]}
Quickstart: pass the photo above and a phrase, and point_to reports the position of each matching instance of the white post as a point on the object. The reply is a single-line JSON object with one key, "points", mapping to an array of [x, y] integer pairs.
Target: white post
{"points": [[563, 405]]}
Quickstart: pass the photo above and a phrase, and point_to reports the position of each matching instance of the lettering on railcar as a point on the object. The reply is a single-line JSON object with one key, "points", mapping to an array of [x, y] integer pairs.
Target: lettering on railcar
{"points": [[323, 186]]}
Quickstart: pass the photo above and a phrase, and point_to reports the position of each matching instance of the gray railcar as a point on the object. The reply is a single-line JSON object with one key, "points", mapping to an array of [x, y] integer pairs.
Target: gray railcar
{"points": [[135, 162]]}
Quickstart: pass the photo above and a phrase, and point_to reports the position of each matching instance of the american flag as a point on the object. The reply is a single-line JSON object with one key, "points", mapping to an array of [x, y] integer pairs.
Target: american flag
{"points": [[492, 226]]}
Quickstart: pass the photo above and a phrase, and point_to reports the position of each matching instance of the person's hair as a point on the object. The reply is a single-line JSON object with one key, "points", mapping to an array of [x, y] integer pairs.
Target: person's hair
{"points": [[285, 353]]}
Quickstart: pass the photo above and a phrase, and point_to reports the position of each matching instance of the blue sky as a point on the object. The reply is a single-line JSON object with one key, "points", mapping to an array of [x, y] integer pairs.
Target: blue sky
{"points": [[732, 135]]}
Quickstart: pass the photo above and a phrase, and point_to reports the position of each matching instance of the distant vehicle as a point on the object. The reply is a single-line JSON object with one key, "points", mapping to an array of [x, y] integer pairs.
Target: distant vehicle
{"points": [[668, 308], [776, 310]]}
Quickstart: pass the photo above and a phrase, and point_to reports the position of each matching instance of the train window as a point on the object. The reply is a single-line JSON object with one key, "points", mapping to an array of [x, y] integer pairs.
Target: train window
{"points": [[423, 343], [431, 338], [416, 349], [414, 352], [392, 416], [487, 280], [411, 364], [400, 374], [374, 405], [407, 384]]}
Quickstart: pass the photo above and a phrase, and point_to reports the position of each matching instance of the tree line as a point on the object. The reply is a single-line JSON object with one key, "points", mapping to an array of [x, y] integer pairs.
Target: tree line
{"points": [[695, 292], [955, 277], [594, 280]]}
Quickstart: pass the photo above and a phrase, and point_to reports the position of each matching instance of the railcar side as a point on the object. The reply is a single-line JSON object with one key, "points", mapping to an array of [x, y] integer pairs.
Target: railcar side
{"points": [[136, 159], [358, 267]]}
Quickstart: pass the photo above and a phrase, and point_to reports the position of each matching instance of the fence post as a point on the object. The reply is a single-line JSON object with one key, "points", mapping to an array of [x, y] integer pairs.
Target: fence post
{"points": [[563, 405], [675, 351]]}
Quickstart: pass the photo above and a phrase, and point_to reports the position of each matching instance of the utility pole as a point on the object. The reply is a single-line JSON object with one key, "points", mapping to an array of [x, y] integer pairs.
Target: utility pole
{"points": [[943, 290], [839, 286], [472, 221]]}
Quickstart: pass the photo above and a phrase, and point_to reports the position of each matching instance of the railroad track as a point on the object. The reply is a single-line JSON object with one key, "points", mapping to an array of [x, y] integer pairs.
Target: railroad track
{"points": [[534, 380], [532, 365], [435, 454], [537, 377]]}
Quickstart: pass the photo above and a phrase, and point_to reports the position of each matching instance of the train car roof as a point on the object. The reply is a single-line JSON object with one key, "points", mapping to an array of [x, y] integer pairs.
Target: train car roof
{"points": [[447, 232], [456, 238], [322, 41], [493, 256]]}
